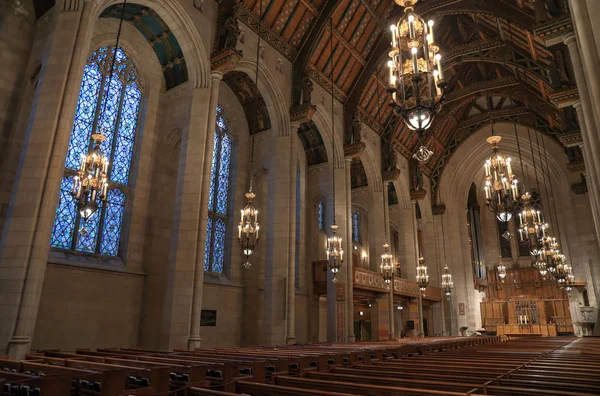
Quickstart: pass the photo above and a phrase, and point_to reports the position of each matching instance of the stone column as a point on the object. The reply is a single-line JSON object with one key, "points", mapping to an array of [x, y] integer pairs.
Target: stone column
{"points": [[386, 224], [349, 268], [376, 226], [592, 175], [416, 260], [277, 243], [194, 337], [26, 235], [291, 278]]}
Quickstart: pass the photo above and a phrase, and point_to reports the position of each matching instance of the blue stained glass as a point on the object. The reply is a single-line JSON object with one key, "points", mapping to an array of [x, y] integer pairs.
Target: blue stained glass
{"points": [[355, 226], [219, 246], [122, 99], [87, 240], [223, 191], [108, 118], [64, 220], [113, 220], [213, 174], [209, 226], [124, 146], [321, 214], [84, 116]]}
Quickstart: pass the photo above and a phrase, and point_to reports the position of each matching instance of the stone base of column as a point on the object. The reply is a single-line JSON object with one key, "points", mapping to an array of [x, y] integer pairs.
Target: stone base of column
{"points": [[18, 347], [291, 339], [194, 342], [351, 338]]}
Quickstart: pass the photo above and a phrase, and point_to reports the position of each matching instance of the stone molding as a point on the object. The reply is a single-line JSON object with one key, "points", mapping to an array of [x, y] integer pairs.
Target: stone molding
{"points": [[302, 113], [354, 150]]}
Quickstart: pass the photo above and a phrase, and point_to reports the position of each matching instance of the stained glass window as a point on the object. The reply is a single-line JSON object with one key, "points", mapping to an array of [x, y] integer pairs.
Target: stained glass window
{"points": [[355, 226], [218, 199], [101, 233], [321, 215]]}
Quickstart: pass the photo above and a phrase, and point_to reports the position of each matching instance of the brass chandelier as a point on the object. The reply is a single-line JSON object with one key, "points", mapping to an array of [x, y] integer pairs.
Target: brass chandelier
{"points": [[90, 185], [447, 282], [387, 267], [416, 80], [501, 272], [501, 186], [422, 277]]}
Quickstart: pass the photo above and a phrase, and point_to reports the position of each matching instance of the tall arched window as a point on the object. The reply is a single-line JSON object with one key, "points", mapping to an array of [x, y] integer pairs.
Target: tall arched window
{"points": [[218, 199], [101, 234], [355, 226], [321, 215]]}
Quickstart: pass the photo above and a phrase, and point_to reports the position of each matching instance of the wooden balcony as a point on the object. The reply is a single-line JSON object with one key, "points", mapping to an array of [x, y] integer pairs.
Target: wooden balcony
{"points": [[371, 280]]}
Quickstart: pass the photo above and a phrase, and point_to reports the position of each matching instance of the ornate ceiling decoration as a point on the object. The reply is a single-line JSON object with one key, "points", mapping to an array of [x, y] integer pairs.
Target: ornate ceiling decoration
{"points": [[159, 36], [251, 99]]}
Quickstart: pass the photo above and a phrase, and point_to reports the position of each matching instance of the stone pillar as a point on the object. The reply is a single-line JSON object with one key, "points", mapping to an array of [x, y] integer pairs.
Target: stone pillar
{"points": [[291, 278], [386, 224], [278, 242], [588, 125], [194, 337], [349, 268], [376, 227], [26, 236], [588, 158]]}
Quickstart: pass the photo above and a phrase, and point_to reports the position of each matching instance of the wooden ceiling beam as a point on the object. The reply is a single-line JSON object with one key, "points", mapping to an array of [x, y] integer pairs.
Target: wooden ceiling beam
{"points": [[311, 40], [374, 15]]}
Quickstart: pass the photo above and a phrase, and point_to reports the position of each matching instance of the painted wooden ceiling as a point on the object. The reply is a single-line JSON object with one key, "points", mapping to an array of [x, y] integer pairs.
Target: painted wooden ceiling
{"points": [[489, 49]]}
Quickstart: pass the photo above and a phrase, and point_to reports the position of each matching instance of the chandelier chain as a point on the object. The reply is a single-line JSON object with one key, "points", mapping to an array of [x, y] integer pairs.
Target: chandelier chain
{"points": [[519, 151], [537, 140], [332, 118], [260, 9], [537, 183], [114, 58], [551, 189]]}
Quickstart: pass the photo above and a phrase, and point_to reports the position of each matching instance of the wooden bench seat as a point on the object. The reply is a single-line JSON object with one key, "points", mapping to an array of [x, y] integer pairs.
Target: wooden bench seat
{"points": [[361, 389]]}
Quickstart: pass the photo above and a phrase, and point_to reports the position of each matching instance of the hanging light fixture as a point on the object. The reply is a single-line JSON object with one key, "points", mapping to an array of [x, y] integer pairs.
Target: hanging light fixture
{"points": [[248, 228], [447, 282], [387, 268], [502, 272], [422, 277], [335, 252], [416, 81], [501, 186], [532, 228], [90, 185]]}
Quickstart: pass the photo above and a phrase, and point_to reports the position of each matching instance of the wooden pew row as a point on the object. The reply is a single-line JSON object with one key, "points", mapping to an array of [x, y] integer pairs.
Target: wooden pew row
{"points": [[179, 374], [218, 368], [17, 383], [361, 389]]}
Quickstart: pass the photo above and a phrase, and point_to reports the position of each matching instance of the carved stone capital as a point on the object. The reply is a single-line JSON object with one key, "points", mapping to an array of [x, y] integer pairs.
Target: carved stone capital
{"points": [[354, 150], [579, 188], [417, 195], [576, 167], [302, 113], [390, 175], [438, 209], [225, 61]]}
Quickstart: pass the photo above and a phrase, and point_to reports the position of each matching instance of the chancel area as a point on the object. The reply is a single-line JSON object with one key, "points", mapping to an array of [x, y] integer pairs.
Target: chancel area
{"points": [[299, 197]]}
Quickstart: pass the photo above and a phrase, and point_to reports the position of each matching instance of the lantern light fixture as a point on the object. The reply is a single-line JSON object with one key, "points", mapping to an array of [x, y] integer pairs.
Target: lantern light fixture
{"points": [[447, 282], [502, 272], [501, 186], [416, 78], [422, 277], [387, 267]]}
